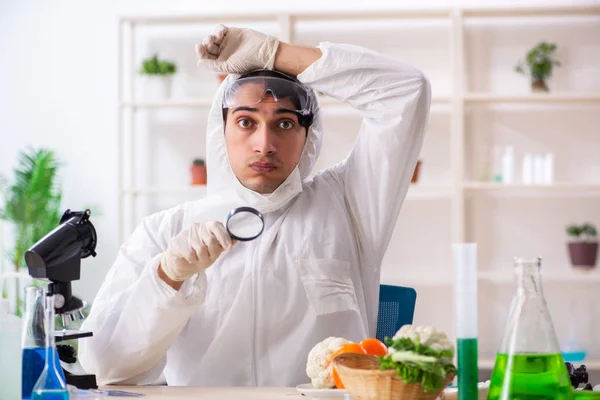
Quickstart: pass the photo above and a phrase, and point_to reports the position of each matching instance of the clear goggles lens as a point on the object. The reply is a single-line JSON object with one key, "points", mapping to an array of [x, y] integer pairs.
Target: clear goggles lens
{"points": [[248, 92]]}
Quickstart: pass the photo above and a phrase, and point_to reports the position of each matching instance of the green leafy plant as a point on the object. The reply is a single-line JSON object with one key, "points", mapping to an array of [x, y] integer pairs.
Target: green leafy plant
{"points": [[585, 232], [156, 66], [417, 363], [32, 202], [539, 62]]}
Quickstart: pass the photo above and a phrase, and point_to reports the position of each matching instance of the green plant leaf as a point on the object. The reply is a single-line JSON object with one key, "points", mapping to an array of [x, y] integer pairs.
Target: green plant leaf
{"points": [[574, 230], [540, 61], [155, 66], [589, 230], [32, 202]]}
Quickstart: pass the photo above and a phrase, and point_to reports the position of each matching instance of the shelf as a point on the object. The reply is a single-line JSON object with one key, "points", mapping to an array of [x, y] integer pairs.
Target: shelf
{"points": [[418, 192], [441, 278], [544, 98], [548, 276], [472, 98], [302, 16], [559, 188], [171, 103], [207, 102], [435, 13], [200, 18], [329, 101], [586, 10], [434, 278], [414, 193], [591, 364], [199, 189]]}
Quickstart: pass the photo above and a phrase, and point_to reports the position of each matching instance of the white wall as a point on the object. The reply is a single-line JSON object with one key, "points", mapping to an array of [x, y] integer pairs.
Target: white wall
{"points": [[58, 89]]}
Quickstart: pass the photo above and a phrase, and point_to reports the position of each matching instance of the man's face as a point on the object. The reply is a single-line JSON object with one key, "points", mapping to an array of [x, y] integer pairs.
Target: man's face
{"points": [[264, 141]]}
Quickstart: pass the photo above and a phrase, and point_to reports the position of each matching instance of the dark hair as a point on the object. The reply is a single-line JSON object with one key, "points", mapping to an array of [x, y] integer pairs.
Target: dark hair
{"points": [[304, 120]]}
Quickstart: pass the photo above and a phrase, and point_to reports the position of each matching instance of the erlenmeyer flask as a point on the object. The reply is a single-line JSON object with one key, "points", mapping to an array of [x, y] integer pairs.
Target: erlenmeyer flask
{"points": [[51, 385], [33, 340], [529, 364]]}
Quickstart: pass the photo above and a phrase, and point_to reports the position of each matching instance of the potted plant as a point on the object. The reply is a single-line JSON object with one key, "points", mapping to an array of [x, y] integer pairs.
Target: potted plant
{"points": [[157, 76], [31, 204], [198, 171], [583, 251], [538, 64]]}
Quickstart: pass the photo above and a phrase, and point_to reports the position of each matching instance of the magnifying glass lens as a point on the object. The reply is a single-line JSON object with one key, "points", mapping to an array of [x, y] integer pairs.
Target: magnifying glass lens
{"points": [[245, 223]]}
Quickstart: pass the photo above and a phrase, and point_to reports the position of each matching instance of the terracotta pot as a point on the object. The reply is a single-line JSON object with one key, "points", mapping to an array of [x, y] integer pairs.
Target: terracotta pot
{"points": [[583, 254], [415, 177], [198, 170], [539, 85]]}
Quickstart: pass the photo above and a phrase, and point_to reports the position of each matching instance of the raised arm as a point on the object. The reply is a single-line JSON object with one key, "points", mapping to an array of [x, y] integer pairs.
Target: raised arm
{"points": [[393, 99]]}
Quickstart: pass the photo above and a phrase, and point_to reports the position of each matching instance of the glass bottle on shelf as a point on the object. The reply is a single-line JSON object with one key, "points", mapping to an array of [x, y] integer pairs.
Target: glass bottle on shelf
{"points": [[529, 364]]}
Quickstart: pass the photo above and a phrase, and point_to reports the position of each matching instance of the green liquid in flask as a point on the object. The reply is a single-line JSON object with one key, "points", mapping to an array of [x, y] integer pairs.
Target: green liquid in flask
{"points": [[467, 367], [530, 377]]}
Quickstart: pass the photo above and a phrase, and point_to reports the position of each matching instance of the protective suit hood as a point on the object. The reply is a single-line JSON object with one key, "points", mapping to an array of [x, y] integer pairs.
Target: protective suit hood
{"points": [[221, 178]]}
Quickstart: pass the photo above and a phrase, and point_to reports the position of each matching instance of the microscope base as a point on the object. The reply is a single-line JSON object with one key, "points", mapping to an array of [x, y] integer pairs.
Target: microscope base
{"points": [[81, 381]]}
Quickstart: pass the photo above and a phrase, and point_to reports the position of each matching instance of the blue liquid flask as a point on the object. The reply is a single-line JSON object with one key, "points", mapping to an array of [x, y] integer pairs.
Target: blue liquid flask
{"points": [[51, 384], [33, 341]]}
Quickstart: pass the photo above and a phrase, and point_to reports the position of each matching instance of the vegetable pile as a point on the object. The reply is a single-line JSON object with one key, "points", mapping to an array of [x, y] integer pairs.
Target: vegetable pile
{"points": [[420, 354]]}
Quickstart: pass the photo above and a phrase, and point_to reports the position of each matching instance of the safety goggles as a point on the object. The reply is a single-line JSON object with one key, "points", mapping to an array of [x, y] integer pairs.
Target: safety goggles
{"points": [[250, 91]]}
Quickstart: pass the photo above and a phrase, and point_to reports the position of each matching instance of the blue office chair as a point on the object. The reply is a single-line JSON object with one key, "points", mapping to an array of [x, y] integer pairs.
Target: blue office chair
{"points": [[396, 308]]}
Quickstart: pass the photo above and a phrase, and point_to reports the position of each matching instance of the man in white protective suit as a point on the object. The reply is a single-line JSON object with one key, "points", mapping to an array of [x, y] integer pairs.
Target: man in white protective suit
{"points": [[184, 299]]}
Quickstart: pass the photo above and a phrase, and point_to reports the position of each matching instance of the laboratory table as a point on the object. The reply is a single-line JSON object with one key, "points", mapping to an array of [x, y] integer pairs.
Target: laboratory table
{"points": [[208, 393]]}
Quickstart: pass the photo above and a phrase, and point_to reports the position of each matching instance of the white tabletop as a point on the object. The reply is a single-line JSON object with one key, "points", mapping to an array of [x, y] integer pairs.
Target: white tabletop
{"points": [[209, 393]]}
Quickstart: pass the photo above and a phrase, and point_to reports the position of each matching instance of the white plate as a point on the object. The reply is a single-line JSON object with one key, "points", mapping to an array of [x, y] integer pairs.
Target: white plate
{"points": [[308, 390]]}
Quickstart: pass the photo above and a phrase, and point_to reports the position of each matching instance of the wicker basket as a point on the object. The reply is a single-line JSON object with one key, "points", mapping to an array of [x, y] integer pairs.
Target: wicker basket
{"points": [[365, 381]]}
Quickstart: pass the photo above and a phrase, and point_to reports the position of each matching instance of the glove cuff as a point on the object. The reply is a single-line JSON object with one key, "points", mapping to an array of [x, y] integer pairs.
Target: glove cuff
{"points": [[269, 50], [166, 267]]}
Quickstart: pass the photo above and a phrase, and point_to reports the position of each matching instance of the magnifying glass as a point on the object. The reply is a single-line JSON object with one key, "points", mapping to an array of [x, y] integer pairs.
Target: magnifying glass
{"points": [[245, 224]]}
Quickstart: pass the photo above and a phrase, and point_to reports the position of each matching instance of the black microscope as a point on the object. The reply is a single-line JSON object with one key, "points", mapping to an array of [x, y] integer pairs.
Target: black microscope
{"points": [[56, 258]]}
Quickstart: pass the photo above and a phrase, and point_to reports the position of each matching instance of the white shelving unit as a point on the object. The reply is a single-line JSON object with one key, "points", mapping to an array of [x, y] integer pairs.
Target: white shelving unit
{"points": [[558, 98], [457, 105], [496, 278]]}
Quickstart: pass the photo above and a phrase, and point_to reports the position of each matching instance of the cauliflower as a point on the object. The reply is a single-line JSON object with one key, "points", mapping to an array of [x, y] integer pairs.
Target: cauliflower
{"points": [[318, 366], [427, 336]]}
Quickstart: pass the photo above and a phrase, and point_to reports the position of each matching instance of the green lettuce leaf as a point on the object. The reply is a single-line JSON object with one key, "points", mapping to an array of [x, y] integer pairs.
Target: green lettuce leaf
{"points": [[429, 373]]}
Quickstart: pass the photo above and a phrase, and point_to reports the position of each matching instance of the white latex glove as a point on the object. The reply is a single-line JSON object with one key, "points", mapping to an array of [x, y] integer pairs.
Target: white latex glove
{"points": [[236, 51], [195, 249]]}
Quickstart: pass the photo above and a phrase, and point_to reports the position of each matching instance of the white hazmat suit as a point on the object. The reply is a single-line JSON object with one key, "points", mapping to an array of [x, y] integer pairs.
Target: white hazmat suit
{"points": [[252, 317]]}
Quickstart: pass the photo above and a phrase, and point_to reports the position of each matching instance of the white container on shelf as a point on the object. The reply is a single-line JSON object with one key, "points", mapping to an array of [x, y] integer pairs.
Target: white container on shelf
{"points": [[497, 164], [548, 177], [154, 87], [538, 169], [527, 172], [508, 165]]}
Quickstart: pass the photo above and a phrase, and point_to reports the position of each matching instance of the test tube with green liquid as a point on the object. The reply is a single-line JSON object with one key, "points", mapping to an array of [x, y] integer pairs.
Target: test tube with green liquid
{"points": [[465, 300]]}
